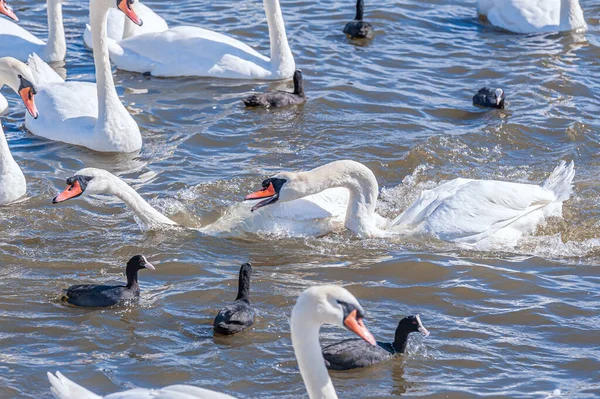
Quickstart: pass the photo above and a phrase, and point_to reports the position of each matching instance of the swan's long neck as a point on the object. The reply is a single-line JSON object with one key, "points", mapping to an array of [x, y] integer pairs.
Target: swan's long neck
{"points": [[143, 210], [56, 46], [282, 60], [305, 339], [363, 188], [7, 162], [571, 14], [108, 99]]}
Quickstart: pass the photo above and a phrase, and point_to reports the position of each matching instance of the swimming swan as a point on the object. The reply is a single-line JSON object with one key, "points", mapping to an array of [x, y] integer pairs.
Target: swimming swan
{"points": [[461, 210], [18, 77], [19, 43], [194, 51], [82, 113], [533, 16], [316, 306]]}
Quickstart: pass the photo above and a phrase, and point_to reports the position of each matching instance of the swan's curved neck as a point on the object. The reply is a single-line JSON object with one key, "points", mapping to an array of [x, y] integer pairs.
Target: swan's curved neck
{"points": [[363, 188], [571, 14], [56, 46], [142, 209], [305, 339], [282, 60], [108, 99]]}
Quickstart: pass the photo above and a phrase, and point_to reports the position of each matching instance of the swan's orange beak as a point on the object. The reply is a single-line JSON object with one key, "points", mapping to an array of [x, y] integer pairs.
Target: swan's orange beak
{"points": [[264, 193], [125, 6], [26, 94], [355, 324], [7, 10], [72, 191]]}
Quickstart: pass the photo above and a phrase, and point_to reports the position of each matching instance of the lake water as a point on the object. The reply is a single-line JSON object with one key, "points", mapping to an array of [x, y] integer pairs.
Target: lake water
{"points": [[521, 323]]}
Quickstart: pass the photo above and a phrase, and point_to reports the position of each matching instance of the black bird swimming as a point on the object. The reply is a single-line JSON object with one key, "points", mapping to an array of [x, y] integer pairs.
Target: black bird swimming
{"points": [[492, 98], [239, 315], [351, 353], [279, 98], [359, 29], [92, 295]]}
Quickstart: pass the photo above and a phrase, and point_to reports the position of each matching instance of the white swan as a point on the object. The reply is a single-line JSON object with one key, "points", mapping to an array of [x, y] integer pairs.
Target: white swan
{"points": [[462, 210], [194, 51], [90, 181], [81, 113], [533, 16], [18, 77], [19, 43], [119, 27], [313, 215], [315, 306]]}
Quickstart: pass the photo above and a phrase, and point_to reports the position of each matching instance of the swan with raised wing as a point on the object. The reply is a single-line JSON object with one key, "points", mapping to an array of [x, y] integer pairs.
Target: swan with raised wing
{"points": [[82, 113], [195, 51], [18, 77], [119, 27], [533, 16], [462, 210], [19, 43], [316, 306]]}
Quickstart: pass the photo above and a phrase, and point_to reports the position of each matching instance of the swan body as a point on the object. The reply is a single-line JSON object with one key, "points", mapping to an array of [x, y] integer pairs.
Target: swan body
{"points": [[18, 42], [315, 306], [81, 113], [18, 77], [194, 51], [462, 210], [473, 211], [119, 27], [533, 16]]}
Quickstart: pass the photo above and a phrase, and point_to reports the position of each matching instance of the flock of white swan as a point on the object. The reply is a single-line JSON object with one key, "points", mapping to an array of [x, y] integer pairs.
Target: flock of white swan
{"points": [[335, 196]]}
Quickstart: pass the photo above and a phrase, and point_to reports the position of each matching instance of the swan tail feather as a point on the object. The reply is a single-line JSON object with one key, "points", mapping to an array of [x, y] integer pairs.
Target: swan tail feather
{"points": [[560, 181], [44, 74], [64, 388]]}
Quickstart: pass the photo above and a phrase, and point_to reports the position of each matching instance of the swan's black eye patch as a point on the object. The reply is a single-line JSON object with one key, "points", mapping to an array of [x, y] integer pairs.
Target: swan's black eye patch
{"points": [[24, 84], [348, 308], [83, 181]]}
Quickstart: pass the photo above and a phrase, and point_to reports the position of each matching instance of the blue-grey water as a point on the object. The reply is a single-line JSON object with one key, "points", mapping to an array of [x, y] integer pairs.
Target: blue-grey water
{"points": [[522, 323]]}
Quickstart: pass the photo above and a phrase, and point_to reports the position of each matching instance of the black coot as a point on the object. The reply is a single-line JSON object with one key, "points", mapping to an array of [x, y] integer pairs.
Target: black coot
{"points": [[279, 98], [491, 98], [359, 29], [354, 353], [92, 295], [239, 315]]}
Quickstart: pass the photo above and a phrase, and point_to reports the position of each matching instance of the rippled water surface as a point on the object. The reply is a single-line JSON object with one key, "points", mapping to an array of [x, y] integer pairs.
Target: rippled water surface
{"points": [[522, 323]]}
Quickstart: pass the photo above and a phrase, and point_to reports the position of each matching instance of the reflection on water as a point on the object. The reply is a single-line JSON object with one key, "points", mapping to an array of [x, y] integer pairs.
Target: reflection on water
{"points": [[518, 323]]}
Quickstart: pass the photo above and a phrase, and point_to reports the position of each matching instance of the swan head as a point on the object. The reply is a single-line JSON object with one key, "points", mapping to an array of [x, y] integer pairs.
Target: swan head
{"points": [[334, 305], [126, 6], [18, 76], [7, 10], [88, 181], [282, 187]]}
